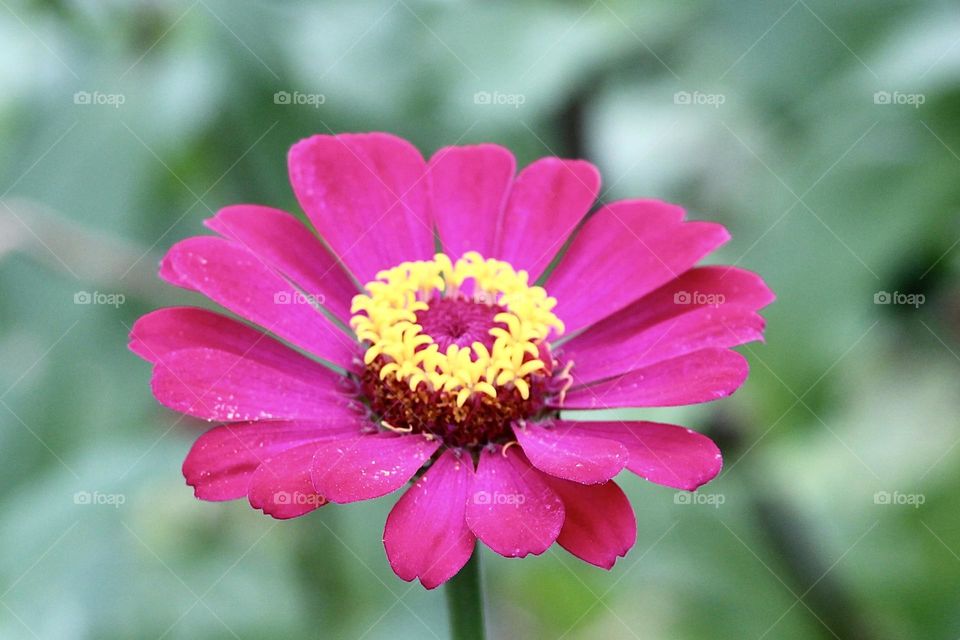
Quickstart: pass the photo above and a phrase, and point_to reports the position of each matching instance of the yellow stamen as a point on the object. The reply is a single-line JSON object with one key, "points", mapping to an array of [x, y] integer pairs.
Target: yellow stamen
{"points": [[386, 318], [386, 425]]}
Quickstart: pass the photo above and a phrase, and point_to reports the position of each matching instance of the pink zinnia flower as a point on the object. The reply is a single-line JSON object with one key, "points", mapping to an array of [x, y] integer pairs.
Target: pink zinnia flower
{"points": [[426, 331]]}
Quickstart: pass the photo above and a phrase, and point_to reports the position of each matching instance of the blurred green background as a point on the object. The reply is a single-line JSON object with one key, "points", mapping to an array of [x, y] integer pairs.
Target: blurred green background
{"points": [[125, 123]]}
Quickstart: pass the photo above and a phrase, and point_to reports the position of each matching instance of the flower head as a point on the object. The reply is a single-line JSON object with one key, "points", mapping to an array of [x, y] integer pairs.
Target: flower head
{"points": [[427, 338]]}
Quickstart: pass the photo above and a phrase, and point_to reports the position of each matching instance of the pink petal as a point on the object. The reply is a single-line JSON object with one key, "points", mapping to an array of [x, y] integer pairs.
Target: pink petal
{"points": [[223, 459], [606, 350], [734, 285], [163, 331], [228, 387], [697, 288], [159, 333], [512, 508], [547, 201], [367, 197], [662, 453], [469, 187], [281, 487], [626, 250], [564, 454], [370, 466], [284, 243], [233, 277], [599, 526], [426, 535], [701, 376]]}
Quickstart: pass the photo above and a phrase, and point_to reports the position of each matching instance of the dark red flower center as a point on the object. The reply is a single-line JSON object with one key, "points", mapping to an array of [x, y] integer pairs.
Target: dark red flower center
{"points": [[456, 349]]}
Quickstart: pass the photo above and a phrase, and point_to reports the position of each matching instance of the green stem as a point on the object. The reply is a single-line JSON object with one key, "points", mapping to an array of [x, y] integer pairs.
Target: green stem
{"points": [[465, 602]]}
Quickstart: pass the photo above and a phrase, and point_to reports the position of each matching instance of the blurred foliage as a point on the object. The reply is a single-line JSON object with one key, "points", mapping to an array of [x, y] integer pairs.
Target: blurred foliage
{"points": [[830, 195]]}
